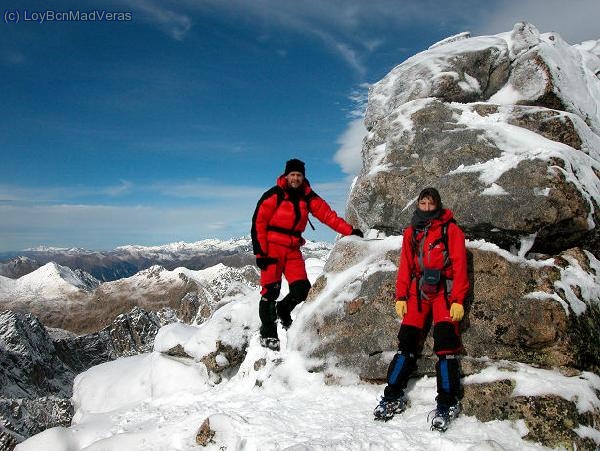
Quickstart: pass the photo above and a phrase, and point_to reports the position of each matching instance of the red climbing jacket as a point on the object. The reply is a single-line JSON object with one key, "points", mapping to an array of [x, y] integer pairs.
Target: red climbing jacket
{"points": [[432, 249], [281, 216]]}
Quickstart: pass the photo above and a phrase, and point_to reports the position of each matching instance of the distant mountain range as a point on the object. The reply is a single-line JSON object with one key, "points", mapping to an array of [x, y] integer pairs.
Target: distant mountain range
{"points": [[73, 299], [125, 261]]}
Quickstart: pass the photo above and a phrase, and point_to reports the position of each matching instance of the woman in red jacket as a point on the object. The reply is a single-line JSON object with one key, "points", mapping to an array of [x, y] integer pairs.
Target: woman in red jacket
{"points": [[280, 218], [432, 279]]}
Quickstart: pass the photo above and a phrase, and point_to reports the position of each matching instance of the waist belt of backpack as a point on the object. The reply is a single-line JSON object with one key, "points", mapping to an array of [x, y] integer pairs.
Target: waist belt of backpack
{"points": [[295, 233], [443, 281]]}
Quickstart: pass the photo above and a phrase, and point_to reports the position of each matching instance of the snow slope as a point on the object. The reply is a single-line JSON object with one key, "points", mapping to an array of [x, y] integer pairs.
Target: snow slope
{"points": [[158, 403], [48, 283]]}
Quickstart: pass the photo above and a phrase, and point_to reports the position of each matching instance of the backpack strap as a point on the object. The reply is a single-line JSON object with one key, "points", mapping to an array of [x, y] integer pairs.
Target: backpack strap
{"points": [[417, 247], [307, 198], [280, 194]]}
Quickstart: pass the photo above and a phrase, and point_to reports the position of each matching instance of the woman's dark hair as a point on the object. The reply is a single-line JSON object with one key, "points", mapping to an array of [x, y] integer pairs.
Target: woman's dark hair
{"points": [[433, 194]]}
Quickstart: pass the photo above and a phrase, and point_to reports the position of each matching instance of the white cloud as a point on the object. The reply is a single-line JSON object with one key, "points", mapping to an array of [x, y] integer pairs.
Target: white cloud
{"points": [[343, 49], [349, 154], [575, 21], [57, 194]]}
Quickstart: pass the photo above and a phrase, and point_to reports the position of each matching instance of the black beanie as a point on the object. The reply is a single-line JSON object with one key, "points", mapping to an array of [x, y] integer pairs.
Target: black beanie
{"points": [[294, 165]]}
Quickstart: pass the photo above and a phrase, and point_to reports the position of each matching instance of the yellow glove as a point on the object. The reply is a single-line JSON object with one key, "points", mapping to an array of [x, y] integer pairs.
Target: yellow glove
{"points": [[456, 312], [401, 307]]}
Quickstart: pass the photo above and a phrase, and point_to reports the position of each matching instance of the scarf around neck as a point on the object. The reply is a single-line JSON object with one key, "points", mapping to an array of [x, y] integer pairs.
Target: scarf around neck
{"points": [[421, 218]]}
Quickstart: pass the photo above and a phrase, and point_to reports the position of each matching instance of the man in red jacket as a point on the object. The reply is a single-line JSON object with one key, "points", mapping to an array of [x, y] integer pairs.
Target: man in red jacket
{"points": [[280, 218], [432, 278]]}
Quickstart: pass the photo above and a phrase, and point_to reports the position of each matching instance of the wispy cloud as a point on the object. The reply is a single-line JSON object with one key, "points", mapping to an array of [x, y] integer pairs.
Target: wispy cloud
{"points": [[13, 57], [59, 194], [119, 189], [201, 188], [350, 29], [206, 189], [34, 217], [349, 153], [175, 24]]}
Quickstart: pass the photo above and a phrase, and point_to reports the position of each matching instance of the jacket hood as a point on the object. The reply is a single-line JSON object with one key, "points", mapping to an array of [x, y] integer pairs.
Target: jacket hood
{"points": [[446, 216]]}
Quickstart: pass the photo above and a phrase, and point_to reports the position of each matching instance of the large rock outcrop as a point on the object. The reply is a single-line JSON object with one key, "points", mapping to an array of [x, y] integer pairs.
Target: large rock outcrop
{"points": [[519, 164], [537, 312], [507, 128], [32, 380]]}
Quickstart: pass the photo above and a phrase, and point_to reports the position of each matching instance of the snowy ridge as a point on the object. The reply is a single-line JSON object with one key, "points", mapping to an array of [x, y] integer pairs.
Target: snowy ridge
{"points": [[210, 246], [233, 324], [50, 282], [218, 281], [125, 261], [18, 266], [173, 249], [58, 250]]}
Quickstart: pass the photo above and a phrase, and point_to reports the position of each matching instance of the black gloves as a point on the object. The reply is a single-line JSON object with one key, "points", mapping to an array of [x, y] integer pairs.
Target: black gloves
{"points": [[357, 232], [263, 262]]}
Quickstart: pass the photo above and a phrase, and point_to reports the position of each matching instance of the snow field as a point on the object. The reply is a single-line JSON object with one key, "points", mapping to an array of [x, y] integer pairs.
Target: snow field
{"points": [[273, 401], [152, 402]]}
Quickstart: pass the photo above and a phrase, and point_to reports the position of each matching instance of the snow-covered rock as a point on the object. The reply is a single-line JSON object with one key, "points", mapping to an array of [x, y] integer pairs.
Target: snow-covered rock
{"points": [[34, 383], [523, 161], [38, 366], [517, 158], [460, 70]]}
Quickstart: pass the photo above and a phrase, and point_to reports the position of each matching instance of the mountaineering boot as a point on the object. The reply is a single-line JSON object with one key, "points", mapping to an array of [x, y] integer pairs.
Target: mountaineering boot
{"points": [[268, 316], [388, 407], [283, 312], [270, 343], [443, 416], [298, 292]]}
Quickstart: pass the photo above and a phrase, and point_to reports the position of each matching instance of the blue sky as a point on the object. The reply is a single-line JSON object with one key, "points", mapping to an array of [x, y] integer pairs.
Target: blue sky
{"points": [[168, 127]]}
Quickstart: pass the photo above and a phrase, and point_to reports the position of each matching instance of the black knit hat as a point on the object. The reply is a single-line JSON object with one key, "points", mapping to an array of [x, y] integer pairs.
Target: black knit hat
{"points": [[433, 194], [294, 165]]}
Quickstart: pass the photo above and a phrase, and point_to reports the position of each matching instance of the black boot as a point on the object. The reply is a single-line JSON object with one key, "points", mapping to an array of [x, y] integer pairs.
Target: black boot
{"points": [[284, 310], [268, 328], [298, 292]]}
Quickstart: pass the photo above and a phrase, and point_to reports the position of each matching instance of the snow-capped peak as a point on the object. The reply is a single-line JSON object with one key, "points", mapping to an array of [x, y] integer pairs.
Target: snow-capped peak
{"points": [[51, 281]]}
